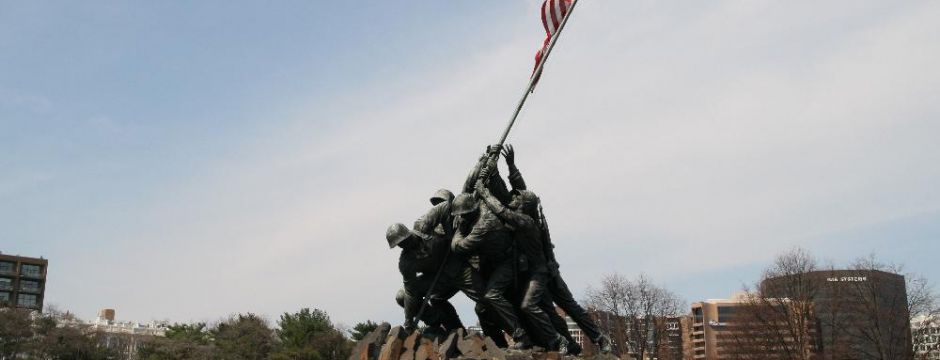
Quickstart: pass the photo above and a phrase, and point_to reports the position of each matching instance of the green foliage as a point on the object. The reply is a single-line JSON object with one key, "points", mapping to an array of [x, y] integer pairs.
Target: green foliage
{"points": [[362, 329], [298, 329], [244, 336], [182, 342], [173, 349], [332, 345], [196, 333], [310, 335], [303, 335]]}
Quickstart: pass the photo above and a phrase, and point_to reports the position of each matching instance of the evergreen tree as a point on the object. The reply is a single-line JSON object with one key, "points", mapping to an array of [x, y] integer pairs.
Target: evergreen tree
{"points": [[362, 329]]}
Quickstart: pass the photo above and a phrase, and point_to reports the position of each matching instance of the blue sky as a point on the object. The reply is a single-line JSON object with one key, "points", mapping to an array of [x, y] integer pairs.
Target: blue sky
{"points": [[186, 161]]}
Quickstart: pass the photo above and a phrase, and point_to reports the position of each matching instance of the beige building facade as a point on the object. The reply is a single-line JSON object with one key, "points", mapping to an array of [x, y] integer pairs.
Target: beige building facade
{"points": [[712, 321]]}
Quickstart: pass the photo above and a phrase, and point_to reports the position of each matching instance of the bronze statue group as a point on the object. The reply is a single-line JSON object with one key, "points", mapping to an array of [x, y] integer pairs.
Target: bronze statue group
{"points": [[491, 243]]}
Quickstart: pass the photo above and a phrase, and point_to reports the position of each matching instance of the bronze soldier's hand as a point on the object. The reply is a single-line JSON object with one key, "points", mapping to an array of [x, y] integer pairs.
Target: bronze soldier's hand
{"points": [[493, 149], [510, 154], [484, 173], [479, 185]]}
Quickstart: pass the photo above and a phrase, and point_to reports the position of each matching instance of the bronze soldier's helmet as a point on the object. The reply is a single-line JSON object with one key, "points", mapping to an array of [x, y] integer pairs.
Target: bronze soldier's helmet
{"points": [[396, 234], [530, 201], [442, 195], [463, 204]]}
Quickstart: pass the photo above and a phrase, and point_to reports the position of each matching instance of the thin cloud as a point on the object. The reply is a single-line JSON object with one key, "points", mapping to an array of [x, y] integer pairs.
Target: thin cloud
{"points": [[661, 140]]}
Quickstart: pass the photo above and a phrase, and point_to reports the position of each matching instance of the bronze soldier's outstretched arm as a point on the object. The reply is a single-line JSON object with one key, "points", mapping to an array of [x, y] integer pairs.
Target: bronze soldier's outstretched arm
{"points": [[474, 174], [471, 243], [515, 177], [487, 170], [515, 219], [438, 215]]}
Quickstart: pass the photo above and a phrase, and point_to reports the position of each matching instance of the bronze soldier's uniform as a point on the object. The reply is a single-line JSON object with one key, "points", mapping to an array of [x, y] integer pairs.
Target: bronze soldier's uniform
{"points": [[489, 238], [534, 267], [437, 220], [498, 189], [557, 288], [418, 266], [457, 275]]}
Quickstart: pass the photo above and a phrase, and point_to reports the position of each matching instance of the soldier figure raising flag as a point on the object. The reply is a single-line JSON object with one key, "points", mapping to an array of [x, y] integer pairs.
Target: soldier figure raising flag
{"points": [[499, 254]]}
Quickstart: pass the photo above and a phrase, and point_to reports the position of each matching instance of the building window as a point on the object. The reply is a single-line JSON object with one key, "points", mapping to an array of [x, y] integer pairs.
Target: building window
{"points": [[32, 270], [6, 284], [725, 313], [26, 300], [4, 297], [29, 285], [6, 267]]}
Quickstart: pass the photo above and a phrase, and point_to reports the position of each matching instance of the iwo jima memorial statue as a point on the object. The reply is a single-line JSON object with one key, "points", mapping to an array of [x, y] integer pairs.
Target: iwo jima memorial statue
{"points": [[492, 244]]}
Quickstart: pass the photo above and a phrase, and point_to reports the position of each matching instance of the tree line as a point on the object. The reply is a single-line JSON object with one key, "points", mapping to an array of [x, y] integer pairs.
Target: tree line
{"points": [[790, 313], [303, 335], [800, 309]]}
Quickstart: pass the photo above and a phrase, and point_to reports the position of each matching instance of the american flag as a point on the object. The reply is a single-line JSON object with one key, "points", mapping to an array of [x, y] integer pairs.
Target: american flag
{"points": [[553, 12]]}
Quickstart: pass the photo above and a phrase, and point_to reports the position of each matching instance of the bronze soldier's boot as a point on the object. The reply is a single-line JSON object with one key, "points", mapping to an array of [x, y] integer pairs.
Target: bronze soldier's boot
{"points": [[521, 339], [574, 348], [523, 343], [561, 345], [603, 343]]}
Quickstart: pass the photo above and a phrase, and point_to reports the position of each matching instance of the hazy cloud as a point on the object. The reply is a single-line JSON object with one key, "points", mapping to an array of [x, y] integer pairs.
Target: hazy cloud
{"points": [[663, 138]]}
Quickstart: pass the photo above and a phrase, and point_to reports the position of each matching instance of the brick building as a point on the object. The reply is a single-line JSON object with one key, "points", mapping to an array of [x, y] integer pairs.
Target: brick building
{"points": [[22, 281]]}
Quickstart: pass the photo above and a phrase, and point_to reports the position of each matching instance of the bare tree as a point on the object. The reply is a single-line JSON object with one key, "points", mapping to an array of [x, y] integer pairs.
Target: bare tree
{"points": [[665, 307], [609, 304], [925, 315], [637, 313], [777, 320], [921, 298], [883, 311]]}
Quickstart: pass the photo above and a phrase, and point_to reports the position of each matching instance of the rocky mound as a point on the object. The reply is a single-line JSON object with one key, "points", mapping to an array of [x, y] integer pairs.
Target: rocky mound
{"points": [[387, 343]]}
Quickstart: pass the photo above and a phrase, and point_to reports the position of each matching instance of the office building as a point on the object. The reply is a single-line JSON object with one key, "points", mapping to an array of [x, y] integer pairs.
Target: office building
{"points": [[22, 281], [677, 338], [729, 329], [713, 322], [858, 313]]}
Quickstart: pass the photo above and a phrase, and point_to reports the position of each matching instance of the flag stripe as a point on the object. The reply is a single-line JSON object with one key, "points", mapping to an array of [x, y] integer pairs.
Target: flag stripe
{"points": [[547, 18], [553, 13], [550, 17], [556, 14]]}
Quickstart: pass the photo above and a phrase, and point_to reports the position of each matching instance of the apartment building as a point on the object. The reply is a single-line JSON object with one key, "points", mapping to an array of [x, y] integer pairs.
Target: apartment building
{"points": [[22, 281]]}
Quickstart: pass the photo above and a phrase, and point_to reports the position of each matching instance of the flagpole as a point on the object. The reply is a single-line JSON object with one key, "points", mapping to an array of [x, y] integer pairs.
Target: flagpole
{"points": [[502, 139], [536, 74]]}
